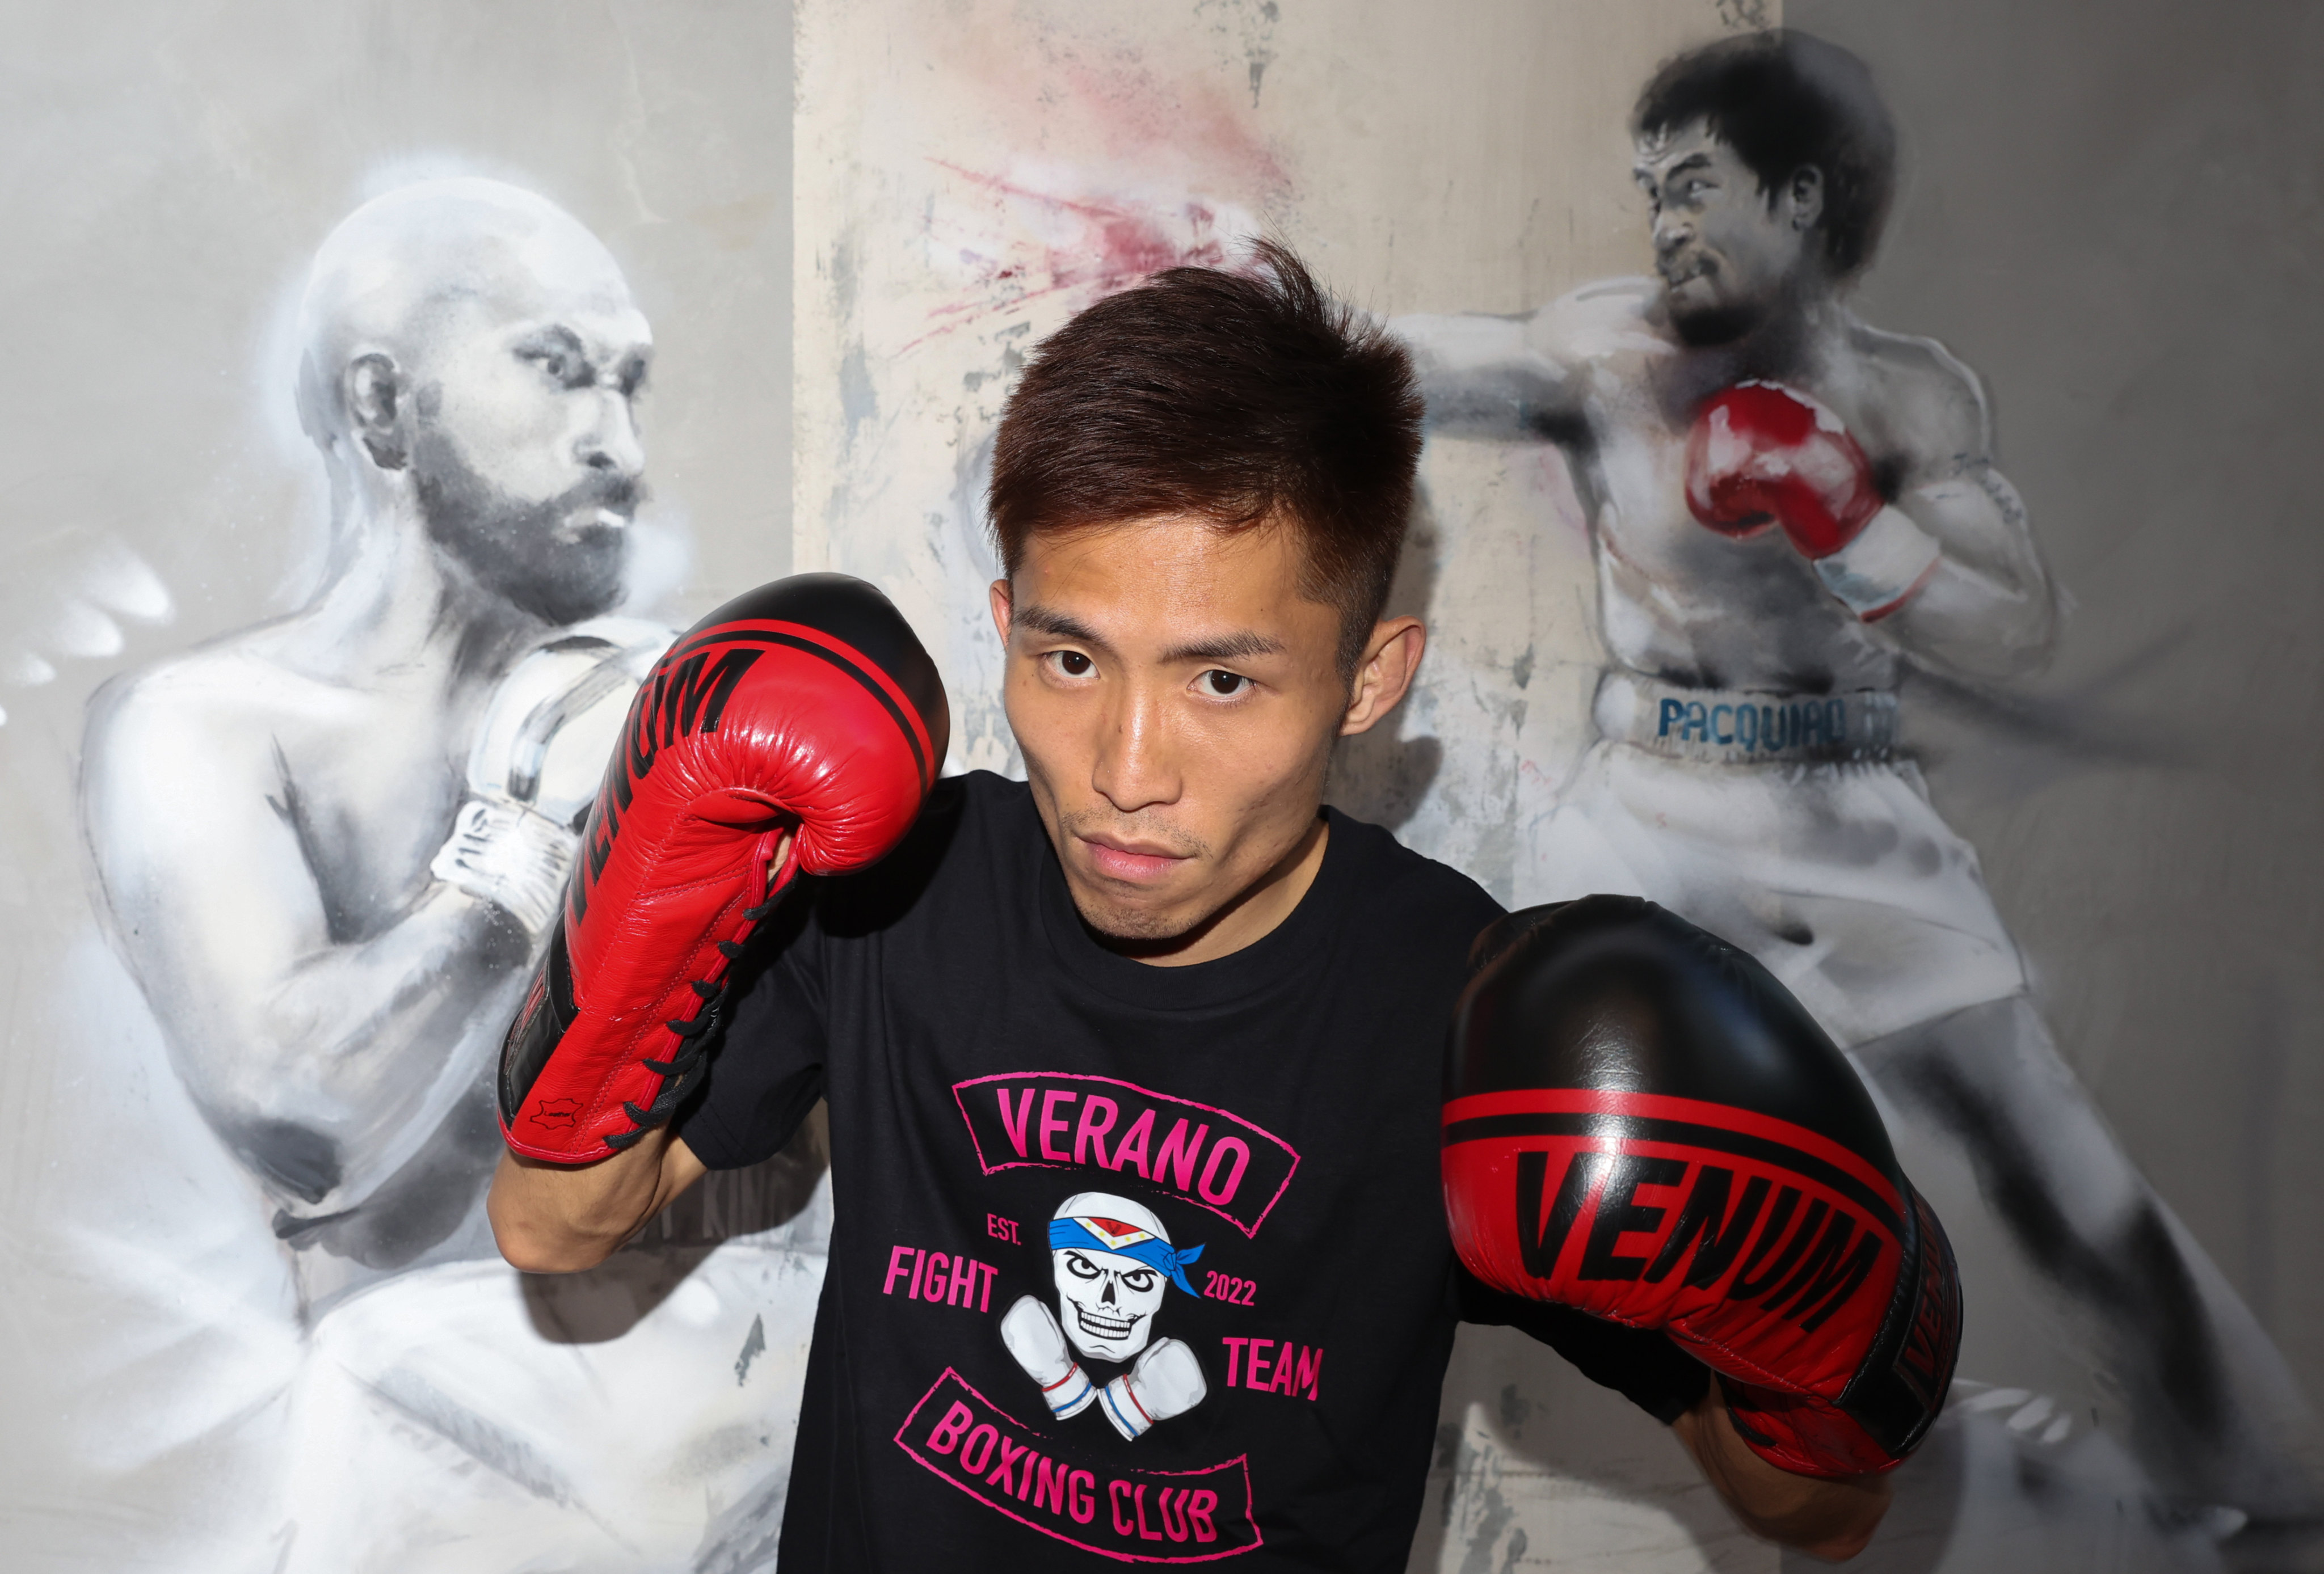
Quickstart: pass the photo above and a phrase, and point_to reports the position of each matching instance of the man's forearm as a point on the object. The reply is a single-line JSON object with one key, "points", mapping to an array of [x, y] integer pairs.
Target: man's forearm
{"points": [[1989, 610], [559, 1219], [1481, 378], [1831, 1519]]}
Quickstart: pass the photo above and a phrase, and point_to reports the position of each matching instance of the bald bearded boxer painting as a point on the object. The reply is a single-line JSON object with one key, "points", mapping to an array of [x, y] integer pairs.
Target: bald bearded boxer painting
{"points": [[332, 845], [1788, 508]]}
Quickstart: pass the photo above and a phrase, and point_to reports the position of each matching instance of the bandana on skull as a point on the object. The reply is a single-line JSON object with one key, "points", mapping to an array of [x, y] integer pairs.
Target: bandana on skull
{"points": [[1128, 1240]]}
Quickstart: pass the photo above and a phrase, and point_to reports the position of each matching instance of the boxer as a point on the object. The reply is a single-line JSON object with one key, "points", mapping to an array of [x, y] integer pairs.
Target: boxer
{"points": [[1132, 1067], [1789, 509], [332, 847]]}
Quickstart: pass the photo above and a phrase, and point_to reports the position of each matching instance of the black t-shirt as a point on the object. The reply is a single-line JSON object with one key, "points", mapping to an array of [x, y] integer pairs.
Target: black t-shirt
{"points": [[1238, 1157]]}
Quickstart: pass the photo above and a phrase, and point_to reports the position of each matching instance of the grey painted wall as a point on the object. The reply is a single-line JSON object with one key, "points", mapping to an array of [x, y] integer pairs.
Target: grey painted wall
{"points": [[2112, 211]]}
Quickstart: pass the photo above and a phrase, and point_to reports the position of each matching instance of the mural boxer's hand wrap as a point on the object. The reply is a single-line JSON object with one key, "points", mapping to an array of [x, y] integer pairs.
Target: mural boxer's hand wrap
{"points": [[1641, 1123], [1762, 455], [807, 706], [537, 757], [504, 853]]}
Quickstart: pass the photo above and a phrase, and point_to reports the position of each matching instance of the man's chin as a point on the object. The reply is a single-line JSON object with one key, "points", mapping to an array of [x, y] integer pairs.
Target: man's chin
{"points": [[1712, 322], [1133, 926]]}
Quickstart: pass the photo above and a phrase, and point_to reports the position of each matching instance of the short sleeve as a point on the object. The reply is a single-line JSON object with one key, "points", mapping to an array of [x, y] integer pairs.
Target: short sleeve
{"points": [[1641, 1365], [767, 1066]]}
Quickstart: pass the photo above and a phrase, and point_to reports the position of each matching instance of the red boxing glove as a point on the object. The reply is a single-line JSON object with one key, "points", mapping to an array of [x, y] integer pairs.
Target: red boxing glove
{"points": [[1762, 455], [805, 707], [1642, 1124]]}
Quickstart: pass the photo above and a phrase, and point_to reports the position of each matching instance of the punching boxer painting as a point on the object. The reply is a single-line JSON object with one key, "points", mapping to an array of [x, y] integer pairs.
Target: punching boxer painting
{"points": [[1789, 509], [331, 847]]}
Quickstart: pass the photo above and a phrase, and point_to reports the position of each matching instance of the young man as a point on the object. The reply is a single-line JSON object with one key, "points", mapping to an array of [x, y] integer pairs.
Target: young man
{"points": [[1133, 1068], [1790, 508]]}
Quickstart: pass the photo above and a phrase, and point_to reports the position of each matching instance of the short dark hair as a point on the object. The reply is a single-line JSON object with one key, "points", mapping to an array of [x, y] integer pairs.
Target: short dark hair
{"points": [[1783, 99], [1249, 399]]}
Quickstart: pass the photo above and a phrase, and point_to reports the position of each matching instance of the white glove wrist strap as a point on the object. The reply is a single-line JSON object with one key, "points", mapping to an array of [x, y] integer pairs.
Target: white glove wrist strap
{"points": [[1878, 571]]}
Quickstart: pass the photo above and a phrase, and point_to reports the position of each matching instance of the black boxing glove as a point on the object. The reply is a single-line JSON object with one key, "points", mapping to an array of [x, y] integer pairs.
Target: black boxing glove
{"points": [[1642, 1124]]}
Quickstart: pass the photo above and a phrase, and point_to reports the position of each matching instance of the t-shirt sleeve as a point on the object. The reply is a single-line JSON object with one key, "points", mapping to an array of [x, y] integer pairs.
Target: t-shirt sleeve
{"points": [[1642, 1366], [766, 1068]]}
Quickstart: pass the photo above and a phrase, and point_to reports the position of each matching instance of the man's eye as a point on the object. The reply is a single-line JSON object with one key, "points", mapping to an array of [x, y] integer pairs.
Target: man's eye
{"points": [[1080, 1266], [1224, 684], [1073, 663]]}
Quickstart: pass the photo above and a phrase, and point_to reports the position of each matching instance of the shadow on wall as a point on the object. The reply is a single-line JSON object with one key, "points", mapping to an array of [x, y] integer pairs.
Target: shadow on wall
{"points": [[1542, 1463], [605, 1303]]}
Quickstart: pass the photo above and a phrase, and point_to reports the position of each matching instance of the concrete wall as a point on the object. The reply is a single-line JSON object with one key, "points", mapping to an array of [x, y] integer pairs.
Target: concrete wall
{"points": [[2112, 212]]}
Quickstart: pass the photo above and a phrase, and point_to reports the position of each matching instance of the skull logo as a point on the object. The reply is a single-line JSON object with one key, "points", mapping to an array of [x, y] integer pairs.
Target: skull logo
{"points": [[1107, 1289]]}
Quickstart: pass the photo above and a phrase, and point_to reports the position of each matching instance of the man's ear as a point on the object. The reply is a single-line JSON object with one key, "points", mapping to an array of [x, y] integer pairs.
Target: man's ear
{"points": [[373, 393], [1000, 609], [1391, 656], [1803, 195]]}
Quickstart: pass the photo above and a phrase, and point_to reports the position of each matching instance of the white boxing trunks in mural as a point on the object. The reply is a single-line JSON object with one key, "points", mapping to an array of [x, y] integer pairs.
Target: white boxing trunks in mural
{"points": [[465, 1419], [1786, 824]]}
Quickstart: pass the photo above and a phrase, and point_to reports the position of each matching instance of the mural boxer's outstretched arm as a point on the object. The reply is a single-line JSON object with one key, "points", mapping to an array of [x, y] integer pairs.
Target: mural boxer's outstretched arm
{"points": [[1492, 377], [311, 1039]]}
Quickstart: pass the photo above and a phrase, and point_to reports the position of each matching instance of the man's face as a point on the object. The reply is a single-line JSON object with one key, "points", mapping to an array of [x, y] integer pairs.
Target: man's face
{"points": [[526, 449], [1174, 697], [1727, 253], [1106, 1302]]}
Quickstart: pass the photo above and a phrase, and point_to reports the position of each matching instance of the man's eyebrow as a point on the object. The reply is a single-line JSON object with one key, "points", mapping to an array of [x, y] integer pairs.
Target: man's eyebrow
{"points": [[1048, 620], [553, 337], [1236, 647]]}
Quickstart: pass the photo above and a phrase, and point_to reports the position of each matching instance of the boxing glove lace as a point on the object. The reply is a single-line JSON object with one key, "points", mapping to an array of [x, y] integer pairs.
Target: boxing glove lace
{"points": [[1642, 1124], [804, 708]]}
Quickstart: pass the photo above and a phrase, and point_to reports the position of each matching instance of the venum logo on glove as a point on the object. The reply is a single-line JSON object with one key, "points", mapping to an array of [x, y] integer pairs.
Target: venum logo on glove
{"points": [[1642, 1124]]}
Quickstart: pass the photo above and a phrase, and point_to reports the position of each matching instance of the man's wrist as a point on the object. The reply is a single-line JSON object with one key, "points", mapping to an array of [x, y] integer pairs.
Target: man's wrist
{"points": [[1883, 567]]}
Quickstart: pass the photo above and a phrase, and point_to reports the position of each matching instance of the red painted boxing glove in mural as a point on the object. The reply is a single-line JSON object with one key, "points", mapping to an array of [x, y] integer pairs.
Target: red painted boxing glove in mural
{"points": [[1762, 455], [806, 707], [1642, 1124]]}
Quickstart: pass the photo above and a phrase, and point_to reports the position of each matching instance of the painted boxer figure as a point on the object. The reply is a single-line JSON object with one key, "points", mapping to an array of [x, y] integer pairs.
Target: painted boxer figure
{"points": [[333, 847], [1160, 976], [310, 891], [1788, 508]]}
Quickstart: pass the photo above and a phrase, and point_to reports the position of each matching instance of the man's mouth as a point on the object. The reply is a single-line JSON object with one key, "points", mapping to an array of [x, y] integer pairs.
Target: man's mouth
{"points": [[597, 516], [1684, 270], [1121, 859], [1097, 1325]]}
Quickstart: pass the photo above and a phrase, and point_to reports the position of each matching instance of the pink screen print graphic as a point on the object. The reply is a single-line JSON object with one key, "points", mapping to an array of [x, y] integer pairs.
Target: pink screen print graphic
{"points": [[1133, 1516], [1219, 1161]]}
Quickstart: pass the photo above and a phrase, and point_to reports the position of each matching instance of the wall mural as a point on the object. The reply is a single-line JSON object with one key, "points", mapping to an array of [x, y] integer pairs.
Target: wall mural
{"points": [[332, 971], [1786, 505], [1682, 536], [327, 848]]}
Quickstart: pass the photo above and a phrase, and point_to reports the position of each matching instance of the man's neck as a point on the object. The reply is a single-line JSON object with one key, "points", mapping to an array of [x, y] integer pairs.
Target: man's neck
{"points": [[1249, 919], [396, 611]]}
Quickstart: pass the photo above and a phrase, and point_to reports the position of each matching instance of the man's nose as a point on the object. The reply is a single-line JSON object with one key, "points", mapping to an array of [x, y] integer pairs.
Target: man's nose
{"points": [[1134, 768], [1106, 1295], [1671, 234], [610, 442]]}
